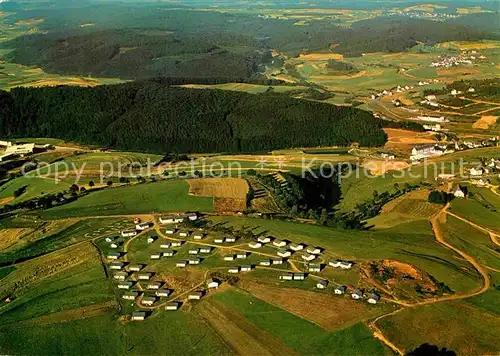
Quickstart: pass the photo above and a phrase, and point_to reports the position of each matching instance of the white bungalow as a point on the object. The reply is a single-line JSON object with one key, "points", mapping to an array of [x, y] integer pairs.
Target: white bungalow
{"points": [[373, 298], [198, 236], [121, 276], [170, 231], [265, 263], [192, 216], [125, 285], [184, 233], [314, 250], [151, 239], [286, 277], [339, 290], [345, 265], [230, 239], [218, 240], [233, 270], [278, 261], [144, 276], [168, 254], [172, 306], [194, 261], [148, 301], [254, 244], [113, 255], [163, 292], [476, 171], [116, 265], [178, 219], [181, 264], [246, 268], [264, 239], [284, 253], [177, 243], [138, 316], [154, 285], [356, 294], [113, 245], [166, 245], [229, 258], [308, 257], [142, 226], [459, 193], [194, 251], [195, 295], [130, 295], [134, 268], [156, 255], [299, 276], [205, 249], [241, 255], [108, 239], [279, 243], [128, 233], [314, 268], [212, 283], [322, 284], [297, 247], [164, 220]]}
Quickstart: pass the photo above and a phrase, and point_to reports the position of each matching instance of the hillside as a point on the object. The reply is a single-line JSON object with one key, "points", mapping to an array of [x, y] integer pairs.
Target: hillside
{"points": [[147, 116]]}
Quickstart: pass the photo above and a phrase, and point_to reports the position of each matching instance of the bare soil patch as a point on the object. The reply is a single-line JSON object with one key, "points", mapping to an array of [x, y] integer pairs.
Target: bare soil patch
{"points": [[485, 122], [381, 167], [230, 194], [9, 237]]}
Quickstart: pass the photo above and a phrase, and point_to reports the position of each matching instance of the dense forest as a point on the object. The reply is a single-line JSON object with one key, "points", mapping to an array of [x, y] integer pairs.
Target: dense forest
{"points": [[140, 41], [149, 116]]}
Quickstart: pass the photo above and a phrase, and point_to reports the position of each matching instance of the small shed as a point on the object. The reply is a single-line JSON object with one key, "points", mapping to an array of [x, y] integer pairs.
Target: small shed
{"points": [[125, 285], [198, 236], [279, 243], [134, 268], [194, 261], [166, 245], [116, 265], [163, 292], [154, 285], [172, 306], [151, 239], [265, 262], [322, 284], [113, 245], [181, 264], [233, 270], [156, 255], [139, 316], [213, 283], [195, 295], [299, 276], [255, 244]]}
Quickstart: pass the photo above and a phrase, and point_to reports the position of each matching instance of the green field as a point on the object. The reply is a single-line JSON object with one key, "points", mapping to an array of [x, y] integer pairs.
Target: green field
{"points": [[35, 187], [300, 334], [156, 197], [481, 208]]}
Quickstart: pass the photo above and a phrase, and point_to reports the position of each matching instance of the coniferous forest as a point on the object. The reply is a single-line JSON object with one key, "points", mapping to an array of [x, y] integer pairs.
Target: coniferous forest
{"points": [[153, 117]]}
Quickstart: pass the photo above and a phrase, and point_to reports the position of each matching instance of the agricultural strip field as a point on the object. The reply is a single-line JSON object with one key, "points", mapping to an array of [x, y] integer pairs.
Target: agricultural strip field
{"points": [[230, 194], [300, 334], [155, 197], [481, 208], [410, 242]]}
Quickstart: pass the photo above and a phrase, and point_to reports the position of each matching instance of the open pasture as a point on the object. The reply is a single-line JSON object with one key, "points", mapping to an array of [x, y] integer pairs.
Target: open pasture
{"points": [[32, 186]]}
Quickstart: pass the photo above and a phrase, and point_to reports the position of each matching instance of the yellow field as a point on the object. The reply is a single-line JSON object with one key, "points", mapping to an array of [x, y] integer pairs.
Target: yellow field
{"points": [[29, 22], [485, 122], [9, 237], [321, 56], [470, 10], [377, 168], [413, 204], [230, 194], [425, 7], [404, 140]]}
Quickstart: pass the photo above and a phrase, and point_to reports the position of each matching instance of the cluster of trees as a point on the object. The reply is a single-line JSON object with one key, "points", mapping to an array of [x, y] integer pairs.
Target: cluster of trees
{"points": [[439, 197], [340, 66], [147, 116], [484, 88]]}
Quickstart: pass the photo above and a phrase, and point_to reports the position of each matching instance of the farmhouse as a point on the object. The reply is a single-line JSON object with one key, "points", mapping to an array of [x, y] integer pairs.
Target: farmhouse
{"points": [[233, 270], [154, 285], [20, 150], [138, 316], [125, 285], [177, 243], [322, 284], [246, 268], [170, 231], [163, 292], [195, 295], [339, 290], [198, 236], [264, 239], [213, 283], [219, 240], [184, 233], [279, 243], [142, 226], [297, 247], [241, 255], [181, 264], [314, 267], [299, 276], [165, 245], [144, 276], [254, 244], [134, 268], [116, 265], [460, 192], [356, 294], [168, 254], [308, 257], [230, 239], [284, 253], [151, 239], [156, 255], [205, 249], [287, 277], [314, 250], [432, 127], [172, 306], [113, 255], [194, 261], [229, 258], [277, 261], [373, 298], [422, 151], [130, 295], [128, 233], [121, 276], [476, 171], [194, 251], [265, 262], [148, 301]]}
